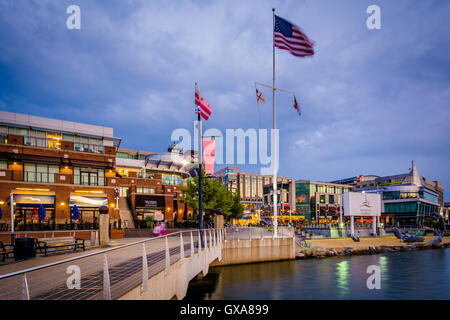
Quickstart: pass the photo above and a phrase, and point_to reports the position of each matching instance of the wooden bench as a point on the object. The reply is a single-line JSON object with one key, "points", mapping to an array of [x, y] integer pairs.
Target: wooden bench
{"points": [[6, 249], [59, 243]]}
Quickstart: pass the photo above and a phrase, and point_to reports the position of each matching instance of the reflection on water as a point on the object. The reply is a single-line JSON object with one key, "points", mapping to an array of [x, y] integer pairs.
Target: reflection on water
{"points": [[404, 275], [342, 272]]}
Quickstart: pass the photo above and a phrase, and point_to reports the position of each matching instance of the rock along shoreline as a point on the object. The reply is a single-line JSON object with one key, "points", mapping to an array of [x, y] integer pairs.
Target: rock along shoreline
{"points": [[319, 252]]}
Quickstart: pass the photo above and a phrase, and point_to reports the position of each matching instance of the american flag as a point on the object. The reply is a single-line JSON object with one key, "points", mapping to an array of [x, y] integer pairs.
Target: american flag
{"points": [[289, 37], [205, 108]]}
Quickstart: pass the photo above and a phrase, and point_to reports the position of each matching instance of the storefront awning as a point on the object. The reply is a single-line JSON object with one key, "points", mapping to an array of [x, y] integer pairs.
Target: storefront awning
{"points": [[34, 197], [86, 199]]}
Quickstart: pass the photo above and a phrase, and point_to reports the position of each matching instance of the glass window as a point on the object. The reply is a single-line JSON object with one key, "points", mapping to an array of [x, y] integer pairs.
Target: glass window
{"points": [[331, 198], [89, 176], [145, 190], [322, 198], [4, 164]]}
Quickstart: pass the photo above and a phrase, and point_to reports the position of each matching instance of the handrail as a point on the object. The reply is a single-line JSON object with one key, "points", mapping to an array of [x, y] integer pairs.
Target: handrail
{"points": [[8, 275]]}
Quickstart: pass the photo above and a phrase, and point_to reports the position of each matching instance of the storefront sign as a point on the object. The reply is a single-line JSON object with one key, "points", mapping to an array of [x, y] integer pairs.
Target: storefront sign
{"points": [[150, 201], [362, 204], [34, 199]]}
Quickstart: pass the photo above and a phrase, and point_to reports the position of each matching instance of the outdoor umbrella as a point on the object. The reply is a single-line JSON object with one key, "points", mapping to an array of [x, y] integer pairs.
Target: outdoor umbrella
{"points": [[41, 212], [75, 213]]}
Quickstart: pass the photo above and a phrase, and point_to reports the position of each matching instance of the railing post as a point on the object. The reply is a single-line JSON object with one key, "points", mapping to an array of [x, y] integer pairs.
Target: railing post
{"points": [[167, 255], [144, 270], [192, 244], [106, 282], [25, 291], [250, 233], [199, 242], [204, 239], [181, 247], [210, 238]]}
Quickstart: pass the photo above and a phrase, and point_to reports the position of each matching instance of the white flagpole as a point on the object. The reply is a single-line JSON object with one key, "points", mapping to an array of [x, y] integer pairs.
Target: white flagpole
{"points": [[275, 219]]}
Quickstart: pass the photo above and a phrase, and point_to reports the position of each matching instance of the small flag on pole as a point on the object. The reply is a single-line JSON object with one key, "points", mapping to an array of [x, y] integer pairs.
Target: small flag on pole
{"points": [[260, 97], [289, 37], [205, 108], [296, 107]]}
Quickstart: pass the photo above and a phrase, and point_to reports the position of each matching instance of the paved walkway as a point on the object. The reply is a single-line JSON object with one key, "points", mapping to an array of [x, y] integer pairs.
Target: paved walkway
{"points": [[364, 242], [11, 266]]}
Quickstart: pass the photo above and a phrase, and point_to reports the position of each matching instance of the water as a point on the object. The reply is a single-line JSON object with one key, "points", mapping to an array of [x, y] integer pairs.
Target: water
{"points": [[404, 275]]}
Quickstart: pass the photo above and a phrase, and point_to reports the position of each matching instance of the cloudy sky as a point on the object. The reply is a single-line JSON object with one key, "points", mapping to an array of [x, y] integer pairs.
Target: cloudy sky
{"points": [[372, 100]]}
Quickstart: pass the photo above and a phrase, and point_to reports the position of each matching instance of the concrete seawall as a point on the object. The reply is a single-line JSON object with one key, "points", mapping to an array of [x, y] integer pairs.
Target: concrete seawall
{"points": [[257, 250]]}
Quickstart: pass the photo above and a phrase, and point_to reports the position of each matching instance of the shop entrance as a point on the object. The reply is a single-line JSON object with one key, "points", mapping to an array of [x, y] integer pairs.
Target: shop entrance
{"points": [[26, 219], [88, 218]]}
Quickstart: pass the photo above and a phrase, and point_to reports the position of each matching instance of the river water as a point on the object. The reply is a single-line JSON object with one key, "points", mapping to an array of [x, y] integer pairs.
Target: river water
{"points": [[421, 274]]}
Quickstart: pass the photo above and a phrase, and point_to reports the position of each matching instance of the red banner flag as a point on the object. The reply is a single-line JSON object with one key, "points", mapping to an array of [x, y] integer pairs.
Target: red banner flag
{"points": [[205, 108], [209, 151]]}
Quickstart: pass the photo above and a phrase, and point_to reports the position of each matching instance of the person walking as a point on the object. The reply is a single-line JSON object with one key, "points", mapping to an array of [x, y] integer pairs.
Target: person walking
{"points": [[163, 230], [156, 230]]}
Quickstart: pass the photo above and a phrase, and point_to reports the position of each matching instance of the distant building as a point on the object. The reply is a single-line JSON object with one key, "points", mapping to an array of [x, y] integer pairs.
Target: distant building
{"points": [[407, 199], [248, 185]]}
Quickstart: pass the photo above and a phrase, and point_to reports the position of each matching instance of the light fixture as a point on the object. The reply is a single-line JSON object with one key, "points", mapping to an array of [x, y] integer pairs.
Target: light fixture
{"points": [[2, 202], [66, 167], [112, 205], [15, 163], [62, 203]]}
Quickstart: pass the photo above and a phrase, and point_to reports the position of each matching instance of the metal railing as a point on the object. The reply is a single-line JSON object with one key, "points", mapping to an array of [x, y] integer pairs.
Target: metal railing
{"points": [[106, 274], [252, 233]]}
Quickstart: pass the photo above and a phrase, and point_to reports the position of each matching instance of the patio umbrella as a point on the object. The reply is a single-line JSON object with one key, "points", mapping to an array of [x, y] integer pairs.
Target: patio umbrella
{"points": [[41, 212], [75, 213]]}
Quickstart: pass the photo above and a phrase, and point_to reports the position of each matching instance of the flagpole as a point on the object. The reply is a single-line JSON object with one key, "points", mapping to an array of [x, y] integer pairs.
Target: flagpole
{"points": [[275, 219], [200, 201]]}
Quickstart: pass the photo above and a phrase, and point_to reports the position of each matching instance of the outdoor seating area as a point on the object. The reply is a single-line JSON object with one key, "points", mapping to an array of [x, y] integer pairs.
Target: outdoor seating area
{"points": [[7, 250], [46, 245]]}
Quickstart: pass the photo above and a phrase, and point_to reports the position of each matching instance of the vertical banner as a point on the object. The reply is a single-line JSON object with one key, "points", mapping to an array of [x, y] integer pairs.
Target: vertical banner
{"points": [[209, 150]]}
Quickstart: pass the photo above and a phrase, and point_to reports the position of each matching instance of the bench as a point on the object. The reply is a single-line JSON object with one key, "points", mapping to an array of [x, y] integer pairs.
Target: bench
{"points": [[59, 243], [6, 249]]}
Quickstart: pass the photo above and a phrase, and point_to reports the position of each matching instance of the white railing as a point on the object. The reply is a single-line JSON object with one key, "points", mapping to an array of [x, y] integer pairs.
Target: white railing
{"points": [[251, 233], [107, 274]]}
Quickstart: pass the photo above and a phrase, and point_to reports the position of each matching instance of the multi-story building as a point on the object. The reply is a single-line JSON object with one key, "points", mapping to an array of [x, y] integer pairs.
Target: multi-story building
{"points": [[248, 185], [407, 199], [285, 201], [309, 200], [150, 184], [57, 164], [62, 164]]}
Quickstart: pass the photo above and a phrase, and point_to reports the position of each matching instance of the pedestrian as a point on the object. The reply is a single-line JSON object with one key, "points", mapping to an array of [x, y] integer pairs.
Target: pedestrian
{"points": [[163, 230], [157, 230]]}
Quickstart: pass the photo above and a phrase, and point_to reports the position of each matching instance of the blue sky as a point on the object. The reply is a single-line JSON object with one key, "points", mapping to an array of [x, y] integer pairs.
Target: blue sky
{"points": [[372, 100]]}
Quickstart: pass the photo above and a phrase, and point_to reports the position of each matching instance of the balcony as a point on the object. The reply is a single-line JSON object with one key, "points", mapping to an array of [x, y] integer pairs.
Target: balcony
{"points": [[50, 143]]}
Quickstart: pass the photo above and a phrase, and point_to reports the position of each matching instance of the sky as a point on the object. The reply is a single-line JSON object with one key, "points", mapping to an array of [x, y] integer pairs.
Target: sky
{"points": [[372, 100]]}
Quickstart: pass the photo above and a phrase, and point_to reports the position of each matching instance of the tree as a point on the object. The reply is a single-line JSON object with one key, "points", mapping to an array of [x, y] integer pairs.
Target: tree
{"points": [[214, 196]]}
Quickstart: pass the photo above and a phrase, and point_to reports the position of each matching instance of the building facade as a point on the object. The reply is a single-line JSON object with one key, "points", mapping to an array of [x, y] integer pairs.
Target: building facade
{"points": [[407, 199], [250, 186], [57, 165], [150, 184]]}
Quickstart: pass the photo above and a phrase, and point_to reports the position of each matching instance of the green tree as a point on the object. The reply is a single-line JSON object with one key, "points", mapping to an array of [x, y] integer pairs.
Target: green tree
{"points": [[214, 196]]}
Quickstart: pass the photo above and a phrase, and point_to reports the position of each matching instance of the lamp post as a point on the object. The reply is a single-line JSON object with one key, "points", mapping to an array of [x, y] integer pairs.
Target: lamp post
{"points": [[12, 218]]}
